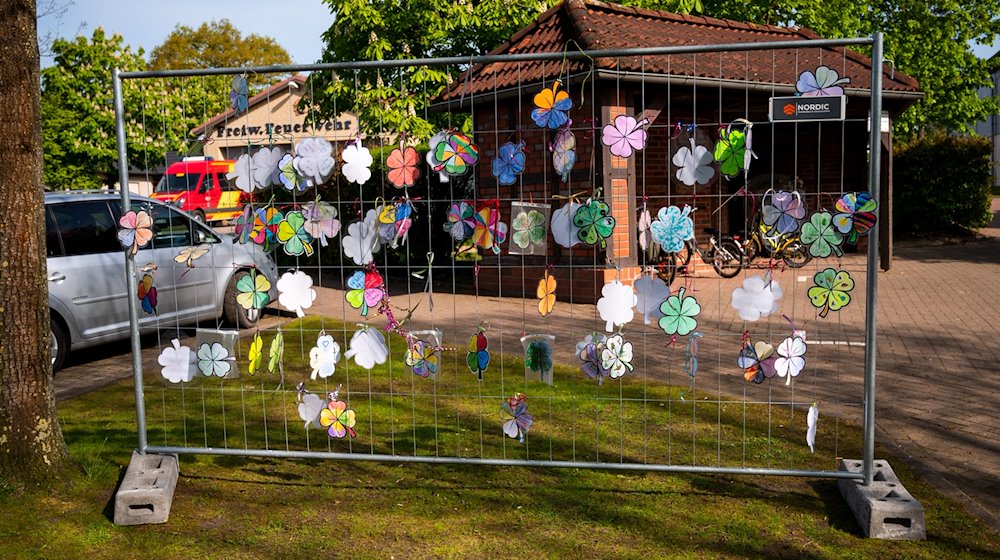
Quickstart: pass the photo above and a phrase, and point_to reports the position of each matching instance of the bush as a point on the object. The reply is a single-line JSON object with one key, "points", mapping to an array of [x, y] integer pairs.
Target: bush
{"points": [[943, 182]]}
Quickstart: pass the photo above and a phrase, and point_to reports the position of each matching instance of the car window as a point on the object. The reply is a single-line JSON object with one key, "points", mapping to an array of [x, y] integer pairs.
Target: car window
{"points": [[170, 228], [53, 245], [86, 227]]}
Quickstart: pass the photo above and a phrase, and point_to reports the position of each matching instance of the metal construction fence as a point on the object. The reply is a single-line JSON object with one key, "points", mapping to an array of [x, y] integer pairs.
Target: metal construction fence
{"points": [[476, 305]]}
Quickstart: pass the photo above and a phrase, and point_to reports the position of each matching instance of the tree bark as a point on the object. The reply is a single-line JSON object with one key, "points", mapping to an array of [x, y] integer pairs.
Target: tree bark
{"points": [[31, 443]]}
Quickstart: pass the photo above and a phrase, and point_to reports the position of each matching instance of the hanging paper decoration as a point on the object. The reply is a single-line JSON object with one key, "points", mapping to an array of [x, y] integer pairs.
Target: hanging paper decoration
{"points": [[395, 220], [552, 106], [478, 357], [147, 294], [830, 292], [275, 352], [259, 171], [694, 164], [461, 221], [357, 162], [423, 353], [546, 293], [790, 360], [238, 92], [615, 305], [650, 291], [757, 297], [825, 81], [509, 163], [136, 230], [812, 419], [782, 211], [645, 235], [592, 338], [672, 227], [529, 237], [253, 291], [625, 135], [295, 292], [680, 314], [310, 406], [367, 290], [616, 357], [362, 240], [265, 226], [177, 362], [243, 225], [490, 232], [757, 360], [595, 222], [324, 356], [563, 148], [215, 360], [403, 167], [188, 255], [538, 357], [517, 421], [691, 355], [564, 231], [856, 215], [255, 354], [338, 419], [593, 366], [292, 235], [321, 221], [436, 164], [289, 176], [820, 235], [734, 149], [314, 160], [368, 348], [456, 154]]}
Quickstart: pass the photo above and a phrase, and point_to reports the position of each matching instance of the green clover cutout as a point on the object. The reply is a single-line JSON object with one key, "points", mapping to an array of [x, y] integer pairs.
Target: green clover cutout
{"points": [[821, 236], [830, 290], [277, 349], [594, 222], [529, 228], [293, 236], [679, 312], [253, 291], [730, 151]]}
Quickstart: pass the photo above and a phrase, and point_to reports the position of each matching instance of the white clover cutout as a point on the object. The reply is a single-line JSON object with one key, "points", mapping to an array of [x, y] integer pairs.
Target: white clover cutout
{"points": [[811, 420], [791, 360], [309, 409], [264, 166], [323, 357], [650, 292], [368, 348], [617, 356], [694, 164], [178, 363], [357, 163], [362, 240], [314, 160], [561, 224], [431, 160], [615, 305], [758, 297], [295, 292]]}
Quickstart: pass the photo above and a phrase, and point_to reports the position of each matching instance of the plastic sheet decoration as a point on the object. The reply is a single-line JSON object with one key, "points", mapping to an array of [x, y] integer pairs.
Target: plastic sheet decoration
{"points": [[368, 348], [564, 231], [324, 356], [314, 160], [538, 357], [529, 223], [757, 297], [824, 81], [321, 221], [295, 292], [615, 305], [625, 136], [404, 167], [516, 420], [357, 162], [694, 164], [177, 363], [563, 148], [595, 222], [672, 227], [552, 107], [508, 163], [830, 290]]}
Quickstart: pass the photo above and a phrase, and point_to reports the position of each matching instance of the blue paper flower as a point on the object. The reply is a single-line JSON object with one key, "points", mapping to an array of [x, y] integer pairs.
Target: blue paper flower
{"points": [[509, 163], [672, 227]]}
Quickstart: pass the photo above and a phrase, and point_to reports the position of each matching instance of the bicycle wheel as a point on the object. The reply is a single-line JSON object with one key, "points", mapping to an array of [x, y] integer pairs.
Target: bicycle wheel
{"points": [[796, 254], [684, 257], [728, 258], [666, 268]]}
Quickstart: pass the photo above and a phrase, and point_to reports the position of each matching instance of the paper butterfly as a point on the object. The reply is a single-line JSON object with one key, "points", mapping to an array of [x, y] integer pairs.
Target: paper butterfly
{"points": [[368, 348], [757, 360], [189, 254], [136, 230], [238, 94], [324, 356], [546, 294], [253, 291], [176, 361], [295, 292], [422, 357], [616, 357], [595, 222], [551, 107], [790, 358], [680, 314], [461, 221], [402, 164], [214, 360], [147, 294], [478, 357], [490, 232], [825, 81], [517, 421], [592, 365], [456, 154], [339, 419], [509, 163], [255, 354], [366, 290], [830, 290], [625, 136]]}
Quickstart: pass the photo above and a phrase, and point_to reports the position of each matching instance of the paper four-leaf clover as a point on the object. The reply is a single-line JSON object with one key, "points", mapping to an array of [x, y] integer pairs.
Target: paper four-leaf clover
{"points": [[783, 212], [214, 360], [403, 167], [295, 292], [177, 362], [314, 160], [855, 215], [256, 353], [825, 81], [592, 365], [490, 232], [456, 154], [265, 226], [362, 240], [367, 290], [616, 357], [821, 236], [672, 227], [595, 222], [357, 163], [324, 356], [339, 419], [257, 171], [564, 232], [423, 358], [650, 292], [625, 136], [461, 221], [321, 221], [529, 228], [368, 348], [292, 234], [830, 290], [253, 290], [615, 305], [238, 94], [790, 358], [137, 230], [680, 312], [275, 352], [694, 164], [757, 297], [289, 176], [730, 152]]}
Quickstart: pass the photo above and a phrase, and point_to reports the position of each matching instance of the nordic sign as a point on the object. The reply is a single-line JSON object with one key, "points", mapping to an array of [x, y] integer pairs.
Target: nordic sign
{"points": [[808, 108]]}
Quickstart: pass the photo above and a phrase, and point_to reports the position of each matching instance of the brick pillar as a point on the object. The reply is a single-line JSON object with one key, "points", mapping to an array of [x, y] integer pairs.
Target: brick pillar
{"points": [[619, 191]]}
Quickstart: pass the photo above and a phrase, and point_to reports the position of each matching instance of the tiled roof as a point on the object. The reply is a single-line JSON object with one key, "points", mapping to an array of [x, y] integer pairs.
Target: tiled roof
{"points": [[597, 26]]}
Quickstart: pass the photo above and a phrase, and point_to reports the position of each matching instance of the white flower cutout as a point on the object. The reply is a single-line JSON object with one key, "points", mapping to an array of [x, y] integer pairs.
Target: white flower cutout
{"points": [[790, 361], [323, 357], [177, 362], [758, 297], [561, 224], [314, 160], [309, 409], [694, 164], [811, 419], [362, 240], [295, 292], [650, 292], [214, 360], [616, 303], [617, 356], [357, 163], [368, 348]]}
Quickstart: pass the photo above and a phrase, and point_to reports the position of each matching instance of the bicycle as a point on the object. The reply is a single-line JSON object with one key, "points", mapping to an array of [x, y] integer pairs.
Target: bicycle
{"points": [[762, 240], [723, 253]]}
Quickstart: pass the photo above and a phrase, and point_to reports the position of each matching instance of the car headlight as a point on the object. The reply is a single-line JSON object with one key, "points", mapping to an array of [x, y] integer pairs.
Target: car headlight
{"points": [[178, 201]]}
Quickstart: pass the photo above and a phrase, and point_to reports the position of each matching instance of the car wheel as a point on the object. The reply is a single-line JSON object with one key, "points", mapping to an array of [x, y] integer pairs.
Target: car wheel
{"points": [[232, 311], [58, 344], [199, 215]]}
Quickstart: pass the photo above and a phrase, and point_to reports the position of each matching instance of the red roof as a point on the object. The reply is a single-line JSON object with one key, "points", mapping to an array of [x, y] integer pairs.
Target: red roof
{"points": [[591, 25]]}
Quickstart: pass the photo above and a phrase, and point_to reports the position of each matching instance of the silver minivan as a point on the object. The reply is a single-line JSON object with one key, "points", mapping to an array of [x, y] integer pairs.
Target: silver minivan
{"points": [[194, 271]]}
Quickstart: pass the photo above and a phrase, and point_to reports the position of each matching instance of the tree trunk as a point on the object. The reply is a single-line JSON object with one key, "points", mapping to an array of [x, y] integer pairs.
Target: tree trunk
{"points": [[31, 444]]}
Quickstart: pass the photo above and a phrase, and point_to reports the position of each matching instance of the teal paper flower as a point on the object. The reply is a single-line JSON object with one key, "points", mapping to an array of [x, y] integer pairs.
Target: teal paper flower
{"points": [[821, 236], [679, 314]]}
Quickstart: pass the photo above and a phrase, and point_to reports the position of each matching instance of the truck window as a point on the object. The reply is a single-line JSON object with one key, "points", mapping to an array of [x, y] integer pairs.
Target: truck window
{"points": [[224, 182], [177, 182], [207, 184]]}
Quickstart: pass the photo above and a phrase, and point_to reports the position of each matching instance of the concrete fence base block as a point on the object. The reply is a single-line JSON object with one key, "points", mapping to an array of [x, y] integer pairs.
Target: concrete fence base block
{"points": [[885, 510], [147, 490]]}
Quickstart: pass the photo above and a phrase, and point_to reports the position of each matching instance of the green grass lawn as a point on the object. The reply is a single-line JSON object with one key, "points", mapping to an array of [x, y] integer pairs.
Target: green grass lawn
{"points": [[232, 507]]}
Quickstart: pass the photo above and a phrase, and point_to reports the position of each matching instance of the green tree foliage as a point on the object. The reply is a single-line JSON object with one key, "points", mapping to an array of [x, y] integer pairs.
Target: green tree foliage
{"points": [[217, 44]]}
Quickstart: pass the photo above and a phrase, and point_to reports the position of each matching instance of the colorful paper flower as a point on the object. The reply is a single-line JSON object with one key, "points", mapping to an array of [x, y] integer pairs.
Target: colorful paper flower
{"points": [[289, 176], [672, 227], [783, 212], [265, 226], [292, 234], [253, 290], [338, 419], [238, 92], [680, 314], [403, 167], [188, 255], [694, 164], [821, 236], [456, 154], [825, 81], [422, 358], [509, 163], [478, 357], [856, 215], [595, 222], [538, 356], [830, 292], [136, 230], [757, 360], [551, 107], [625, 135], [275, 352], [616, 357], [592, 365], [243, 225]]}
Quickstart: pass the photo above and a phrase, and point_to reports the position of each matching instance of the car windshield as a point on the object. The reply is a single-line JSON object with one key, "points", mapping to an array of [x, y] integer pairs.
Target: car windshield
{"points": [[177, 182]]}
